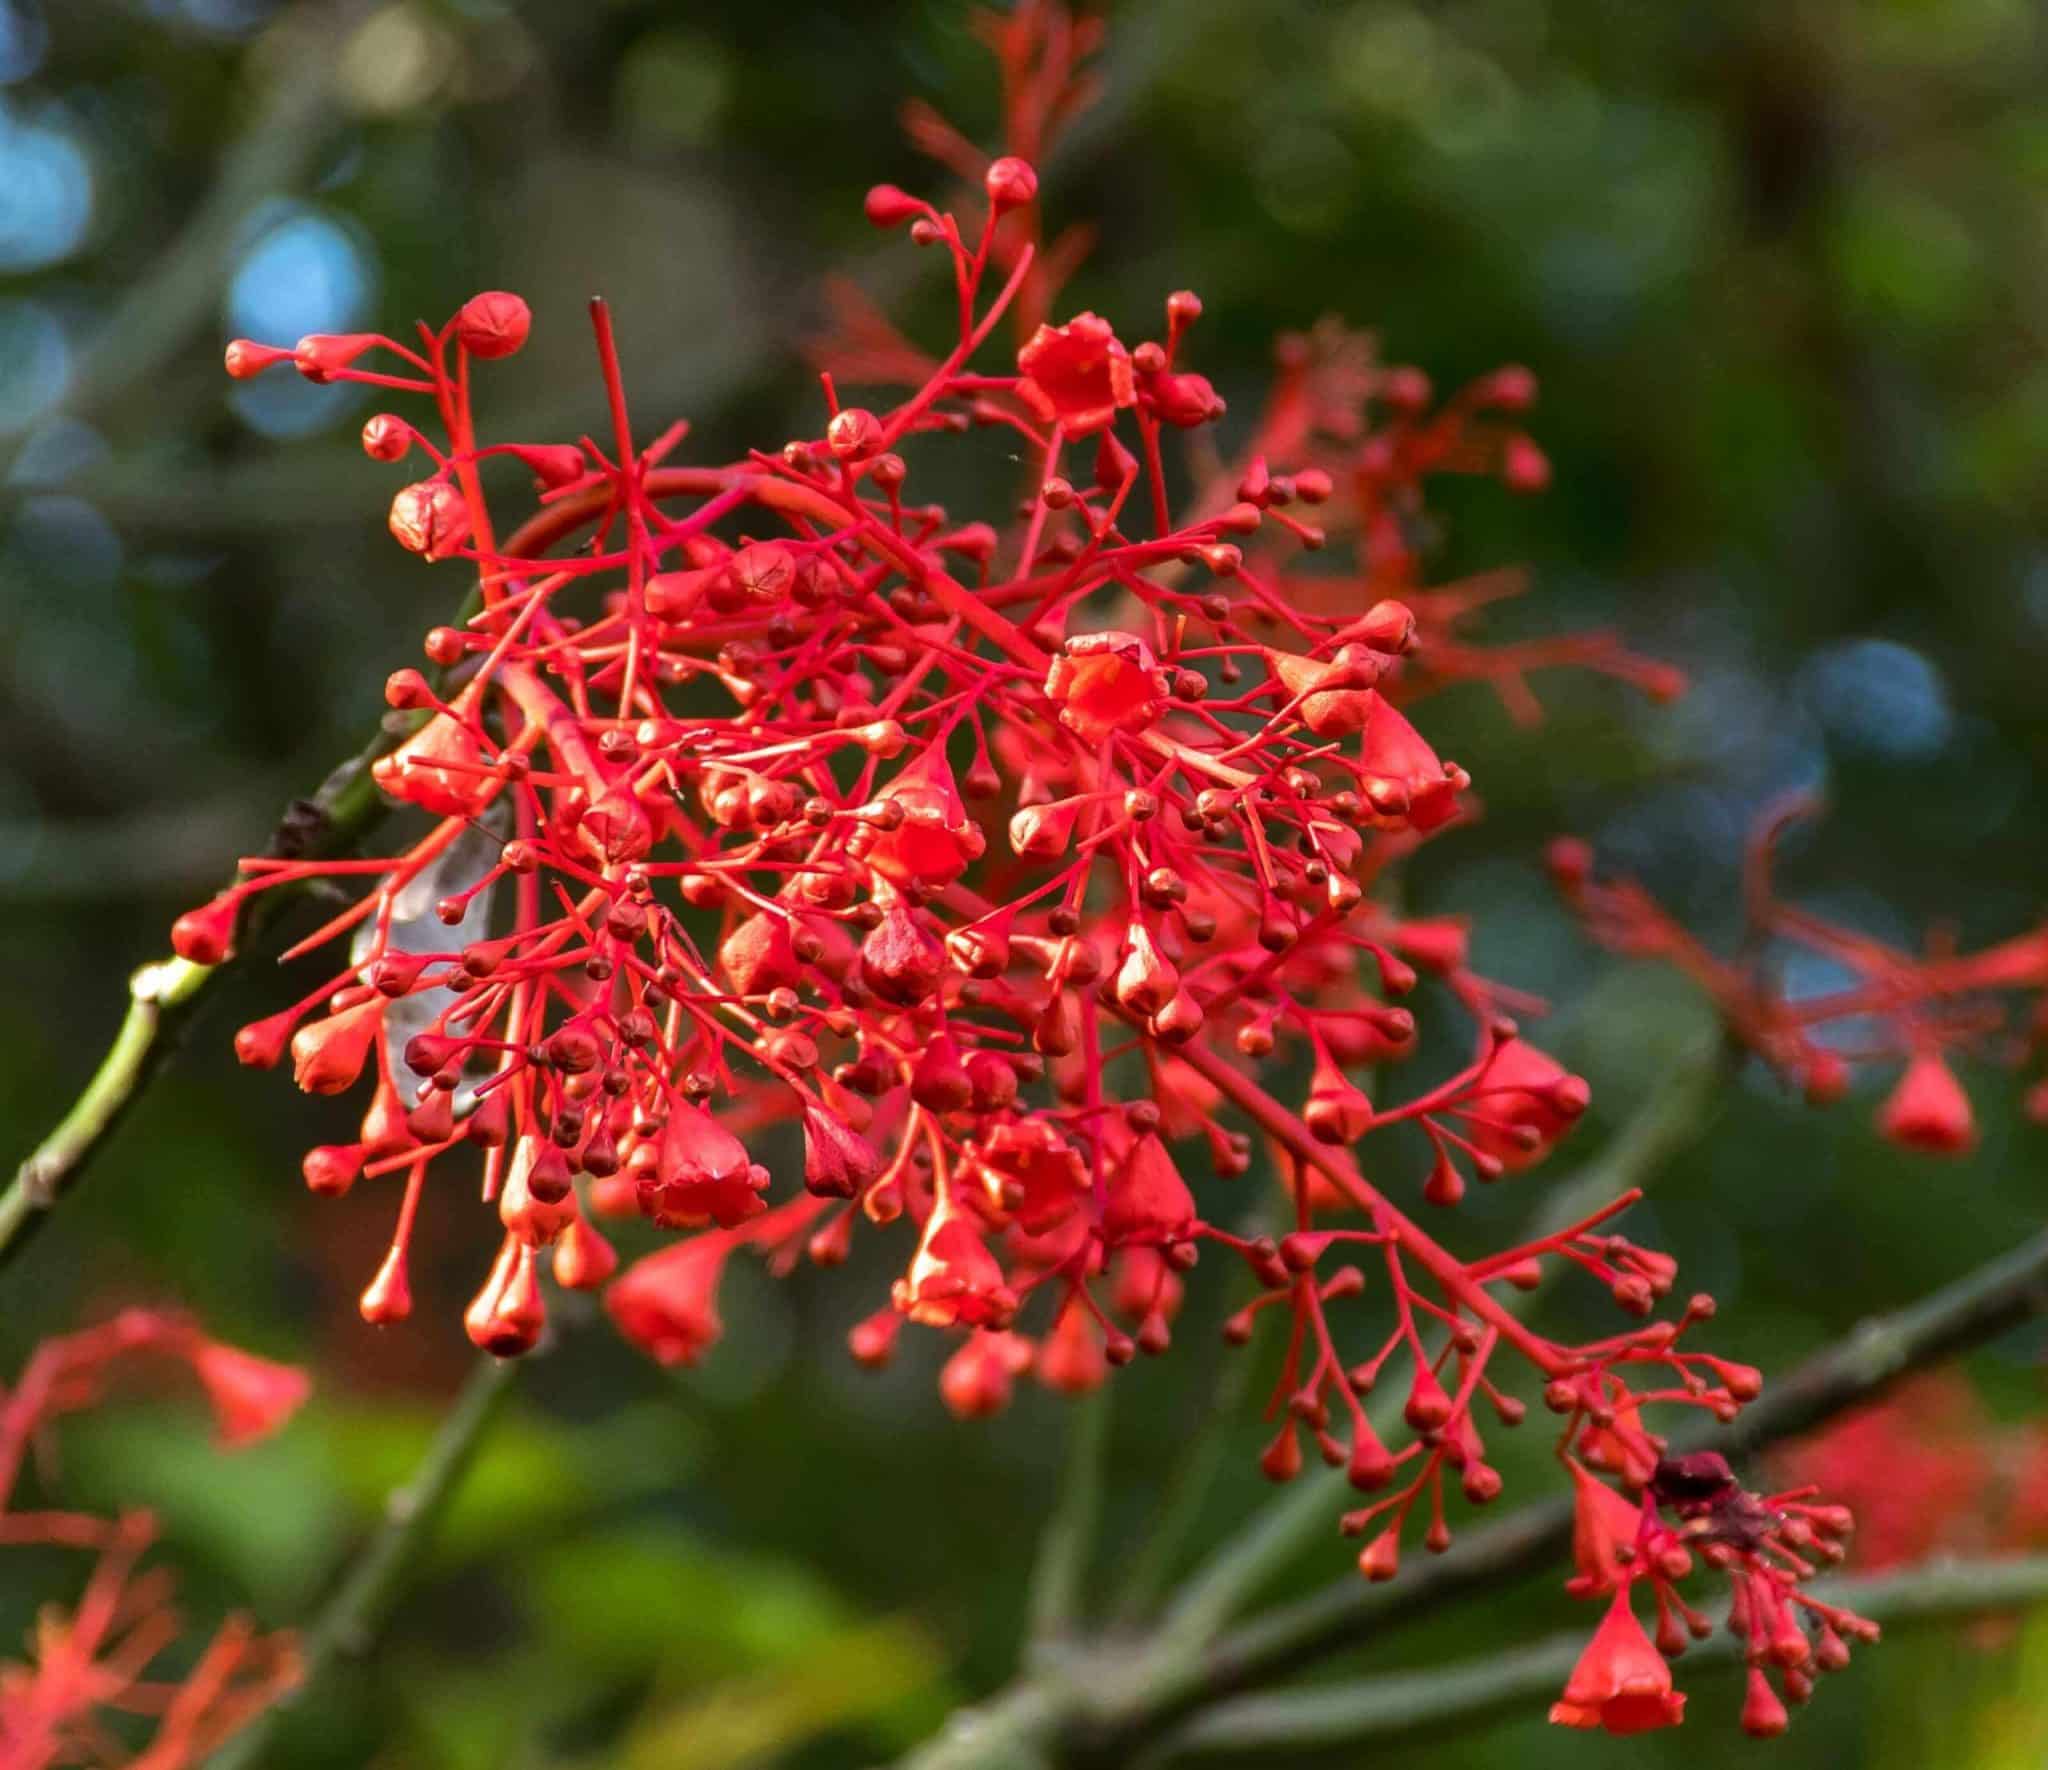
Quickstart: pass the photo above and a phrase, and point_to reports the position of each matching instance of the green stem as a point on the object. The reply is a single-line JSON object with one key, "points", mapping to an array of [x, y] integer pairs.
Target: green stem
{"points": [[164, 995], [1188, 1485], [348, 1626], [1459, 1698], [1059, 1580]]}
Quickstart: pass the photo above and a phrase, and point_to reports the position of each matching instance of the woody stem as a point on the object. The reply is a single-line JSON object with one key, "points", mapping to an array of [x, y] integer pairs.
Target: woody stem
{"points": [[348, 1626]]}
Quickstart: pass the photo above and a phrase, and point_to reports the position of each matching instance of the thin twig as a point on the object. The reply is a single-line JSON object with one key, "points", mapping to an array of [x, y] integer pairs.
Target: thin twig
{"points": [[348, 1625], [1102, 1707], [1977, 1307]]}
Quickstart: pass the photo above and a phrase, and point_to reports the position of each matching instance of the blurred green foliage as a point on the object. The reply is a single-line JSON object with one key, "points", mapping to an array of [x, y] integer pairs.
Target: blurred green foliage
{"points": [[1780, 267]]}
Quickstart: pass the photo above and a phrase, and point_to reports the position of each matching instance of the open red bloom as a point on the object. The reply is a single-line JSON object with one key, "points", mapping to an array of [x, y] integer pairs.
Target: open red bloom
{"points": [[1105, 682], [1032, 1173], [696, 1171], [1077, 375], [1621, 1682], [954, 1279]]}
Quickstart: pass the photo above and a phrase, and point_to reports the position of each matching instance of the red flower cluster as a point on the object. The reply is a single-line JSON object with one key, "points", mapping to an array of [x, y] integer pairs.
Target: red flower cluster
{"points": [[98, 1656], [1928, 1472], [1898, 1008], [1012, 861], [1766, 1546]]}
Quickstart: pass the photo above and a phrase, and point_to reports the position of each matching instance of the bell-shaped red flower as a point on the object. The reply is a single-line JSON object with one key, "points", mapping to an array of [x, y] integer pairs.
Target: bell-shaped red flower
{"points": [[1148, 1200], [977, 1380], [440, 768], [954, 1281], [838, 1161], [1409, 780], [1928, 1110], [1033, 1175], [1334, 696], [1621, 1682], [667, 1303], [694, 1172], [252, 1397], [934, 841], [1527, 1101], [328, 1055], [1604, 1526]]}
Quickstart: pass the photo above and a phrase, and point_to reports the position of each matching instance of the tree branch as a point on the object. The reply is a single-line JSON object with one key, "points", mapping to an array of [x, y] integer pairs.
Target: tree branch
{"points": [[1459, 1698], [348, 1626], [163, 996]]}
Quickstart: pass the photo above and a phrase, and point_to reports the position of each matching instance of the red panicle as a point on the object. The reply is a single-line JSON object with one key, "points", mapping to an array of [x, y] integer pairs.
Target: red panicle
{"points": [[733, 737]]}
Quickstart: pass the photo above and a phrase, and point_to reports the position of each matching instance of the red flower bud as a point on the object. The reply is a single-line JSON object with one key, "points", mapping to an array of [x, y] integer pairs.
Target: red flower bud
{"points": [[1928, 1110], [1009, 181], [493, 324], [888, 205], [430, 518], [328, 1055], [206, 936]]}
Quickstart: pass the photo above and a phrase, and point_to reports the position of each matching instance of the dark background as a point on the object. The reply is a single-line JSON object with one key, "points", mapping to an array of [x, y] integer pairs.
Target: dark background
{"points": [[1781, 268]]}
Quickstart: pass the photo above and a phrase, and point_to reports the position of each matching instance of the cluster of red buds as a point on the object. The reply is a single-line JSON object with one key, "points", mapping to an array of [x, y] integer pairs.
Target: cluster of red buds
{"points": [[1011, 860], [1894, 1008], [95, 1660], [1767, 1546]]}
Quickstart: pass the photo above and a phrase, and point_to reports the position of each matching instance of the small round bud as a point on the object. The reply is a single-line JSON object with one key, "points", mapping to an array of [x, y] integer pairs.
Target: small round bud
{"points": [[493, 324], [854, 434], [889, 205], [1010, 182], [387, 437], [430, 518], [246, 359], [406, 690]]}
